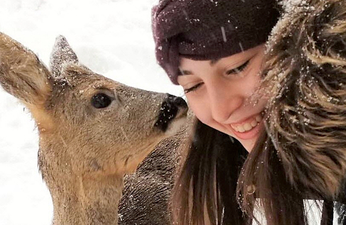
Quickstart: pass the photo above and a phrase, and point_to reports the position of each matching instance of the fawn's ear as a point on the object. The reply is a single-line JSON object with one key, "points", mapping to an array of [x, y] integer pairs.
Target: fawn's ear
{"points": [[22, 74], [61, 55]]}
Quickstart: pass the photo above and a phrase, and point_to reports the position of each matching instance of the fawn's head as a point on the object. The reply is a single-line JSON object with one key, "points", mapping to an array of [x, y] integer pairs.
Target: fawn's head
{"points": [[88, 124]]}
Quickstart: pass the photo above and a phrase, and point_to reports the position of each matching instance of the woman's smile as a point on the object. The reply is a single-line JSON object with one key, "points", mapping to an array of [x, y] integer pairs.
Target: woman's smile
{"points": [[248, 124], [247, 129]]}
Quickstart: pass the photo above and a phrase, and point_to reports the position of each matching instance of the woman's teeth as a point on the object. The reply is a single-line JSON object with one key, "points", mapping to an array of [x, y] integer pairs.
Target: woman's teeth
{"points": [[241, 128]]}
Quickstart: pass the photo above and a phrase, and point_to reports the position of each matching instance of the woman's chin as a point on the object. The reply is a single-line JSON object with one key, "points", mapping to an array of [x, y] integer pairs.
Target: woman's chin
{"points": [[248, 144], [248, 138]]}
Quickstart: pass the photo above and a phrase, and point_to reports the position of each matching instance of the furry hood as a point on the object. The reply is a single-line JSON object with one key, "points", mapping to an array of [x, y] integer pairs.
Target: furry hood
{"points": [[306, 77]]}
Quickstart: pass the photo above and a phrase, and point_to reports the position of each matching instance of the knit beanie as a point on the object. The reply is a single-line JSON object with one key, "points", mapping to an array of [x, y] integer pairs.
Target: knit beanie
{"points": [[208, 29]]}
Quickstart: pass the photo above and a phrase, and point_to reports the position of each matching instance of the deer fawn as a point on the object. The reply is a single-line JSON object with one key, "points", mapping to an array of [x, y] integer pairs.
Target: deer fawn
{"points": [[92, 130]]}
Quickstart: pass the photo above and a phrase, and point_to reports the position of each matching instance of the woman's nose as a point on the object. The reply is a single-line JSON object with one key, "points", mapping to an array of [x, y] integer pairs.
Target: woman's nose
{"points": [[223, 102]]}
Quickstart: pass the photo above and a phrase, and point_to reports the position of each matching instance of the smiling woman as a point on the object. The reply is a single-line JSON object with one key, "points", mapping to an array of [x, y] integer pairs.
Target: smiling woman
{"points": [[258, 145], [215, 51]]}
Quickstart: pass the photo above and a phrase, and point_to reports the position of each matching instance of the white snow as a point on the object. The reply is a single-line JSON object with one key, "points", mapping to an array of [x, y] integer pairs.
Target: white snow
{"points": [[111, 37]]}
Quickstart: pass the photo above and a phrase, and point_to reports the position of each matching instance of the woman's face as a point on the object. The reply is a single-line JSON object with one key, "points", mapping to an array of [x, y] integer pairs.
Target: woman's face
{"points": [[221, 93]]}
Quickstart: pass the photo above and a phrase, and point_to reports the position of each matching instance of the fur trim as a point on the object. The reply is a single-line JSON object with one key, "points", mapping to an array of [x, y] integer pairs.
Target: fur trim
{"points": [[306, 75]]}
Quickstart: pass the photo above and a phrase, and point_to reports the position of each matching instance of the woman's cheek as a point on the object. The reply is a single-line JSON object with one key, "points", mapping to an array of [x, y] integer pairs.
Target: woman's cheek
{"points": [[200, 109], [203, 114]]}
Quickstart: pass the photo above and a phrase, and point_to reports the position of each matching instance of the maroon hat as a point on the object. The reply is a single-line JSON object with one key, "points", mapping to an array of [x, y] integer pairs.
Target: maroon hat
{"points": [[209, 29]]}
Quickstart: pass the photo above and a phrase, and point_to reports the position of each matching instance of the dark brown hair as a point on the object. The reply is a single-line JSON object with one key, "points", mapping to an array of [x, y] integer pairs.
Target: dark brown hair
{"points": [[206, 188]]}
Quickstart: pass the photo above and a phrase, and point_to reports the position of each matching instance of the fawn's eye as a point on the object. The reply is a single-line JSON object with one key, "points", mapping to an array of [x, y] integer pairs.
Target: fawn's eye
{"points": [[101, 100]]}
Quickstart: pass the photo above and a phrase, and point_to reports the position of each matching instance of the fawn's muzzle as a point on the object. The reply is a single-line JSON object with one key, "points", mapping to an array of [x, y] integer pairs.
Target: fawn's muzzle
{"points": [[172, 107]]}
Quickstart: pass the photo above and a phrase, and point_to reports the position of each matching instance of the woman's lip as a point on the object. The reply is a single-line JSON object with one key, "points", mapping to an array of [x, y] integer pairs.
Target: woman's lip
{"points": [[248, 134], [246, 120]]}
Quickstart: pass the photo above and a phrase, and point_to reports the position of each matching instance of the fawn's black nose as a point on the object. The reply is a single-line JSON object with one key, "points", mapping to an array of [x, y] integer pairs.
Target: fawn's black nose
{"points": [[177, 101], [169, 110]]}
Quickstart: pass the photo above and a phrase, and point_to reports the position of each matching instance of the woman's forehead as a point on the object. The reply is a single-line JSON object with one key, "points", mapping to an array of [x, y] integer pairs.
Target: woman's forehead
{"points": [[236, 58]]}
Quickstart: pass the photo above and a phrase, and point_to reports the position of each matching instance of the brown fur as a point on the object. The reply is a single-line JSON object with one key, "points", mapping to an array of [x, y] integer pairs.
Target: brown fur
{"points": [[84, 151], [307, 120], [306, 124], [147, 192]]}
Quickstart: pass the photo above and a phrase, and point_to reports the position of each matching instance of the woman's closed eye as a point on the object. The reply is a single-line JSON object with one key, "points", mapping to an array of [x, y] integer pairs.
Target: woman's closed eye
{"points": [[193, 88], [239, 69], [236, 71]]}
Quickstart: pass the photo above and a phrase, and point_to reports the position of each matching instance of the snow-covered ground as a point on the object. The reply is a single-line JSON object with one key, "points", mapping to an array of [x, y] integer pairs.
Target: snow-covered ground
{"points": [[111, 37]]}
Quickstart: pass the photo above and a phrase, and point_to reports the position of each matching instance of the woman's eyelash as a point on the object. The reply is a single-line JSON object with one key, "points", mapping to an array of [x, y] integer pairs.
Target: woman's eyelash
{"points": [[194, 88], [239, 69]]}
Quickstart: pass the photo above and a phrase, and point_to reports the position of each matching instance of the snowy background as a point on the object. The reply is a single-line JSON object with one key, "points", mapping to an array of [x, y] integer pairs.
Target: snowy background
{"points": [[111, 37]]}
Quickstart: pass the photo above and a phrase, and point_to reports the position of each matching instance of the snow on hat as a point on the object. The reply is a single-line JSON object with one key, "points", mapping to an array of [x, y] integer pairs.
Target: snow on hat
{"points": [[208, 29]]}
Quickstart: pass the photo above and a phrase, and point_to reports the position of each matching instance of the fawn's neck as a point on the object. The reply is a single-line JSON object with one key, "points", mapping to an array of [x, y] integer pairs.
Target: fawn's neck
{"points": [[88, 201]]}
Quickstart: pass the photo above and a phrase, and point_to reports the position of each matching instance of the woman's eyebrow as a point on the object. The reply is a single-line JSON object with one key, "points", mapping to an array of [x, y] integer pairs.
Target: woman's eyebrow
{"points": [[213, 61], [184, 72]]}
